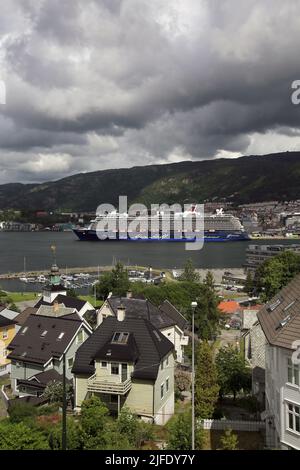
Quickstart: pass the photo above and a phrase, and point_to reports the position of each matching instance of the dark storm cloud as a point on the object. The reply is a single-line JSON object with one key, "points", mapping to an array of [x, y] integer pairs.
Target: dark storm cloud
{"points": [[111, 83]]}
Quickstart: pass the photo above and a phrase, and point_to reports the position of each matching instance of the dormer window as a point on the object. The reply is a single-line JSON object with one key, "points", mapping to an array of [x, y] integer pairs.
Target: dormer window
{"points": [[24, 330], [61, 335], [120, 338], [44, 333]]}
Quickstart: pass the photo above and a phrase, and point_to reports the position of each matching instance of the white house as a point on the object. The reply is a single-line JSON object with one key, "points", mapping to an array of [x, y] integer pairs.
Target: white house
{"points": [[280, 321]]}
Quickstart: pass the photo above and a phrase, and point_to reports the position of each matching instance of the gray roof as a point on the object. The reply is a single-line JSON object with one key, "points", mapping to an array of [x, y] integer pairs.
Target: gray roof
{"points": [[11, 314], [280, 318], [161, 317], [40, 381], [174, 314], [68, 301], [55, 311], [150, 346], [40, 349], [249, 318]]}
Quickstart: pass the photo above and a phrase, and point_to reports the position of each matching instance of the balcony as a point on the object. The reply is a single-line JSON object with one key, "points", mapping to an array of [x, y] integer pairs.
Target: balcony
{"points": [[95, 384]]}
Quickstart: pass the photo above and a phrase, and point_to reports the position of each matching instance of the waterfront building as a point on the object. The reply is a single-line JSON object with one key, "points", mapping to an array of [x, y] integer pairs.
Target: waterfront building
{"points": [[257, 254]]}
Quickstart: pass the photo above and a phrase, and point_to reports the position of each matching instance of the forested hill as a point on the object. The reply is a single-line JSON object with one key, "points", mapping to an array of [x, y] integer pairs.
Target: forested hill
{"points": [[242, 180]]}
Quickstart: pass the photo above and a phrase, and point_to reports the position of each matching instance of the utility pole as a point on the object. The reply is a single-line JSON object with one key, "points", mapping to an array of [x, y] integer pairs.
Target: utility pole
{"points": [[64, 407], [194, 306]]}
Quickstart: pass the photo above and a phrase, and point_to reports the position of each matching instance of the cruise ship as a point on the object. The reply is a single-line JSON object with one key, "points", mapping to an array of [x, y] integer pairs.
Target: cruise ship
{"points": [[218, 227]]}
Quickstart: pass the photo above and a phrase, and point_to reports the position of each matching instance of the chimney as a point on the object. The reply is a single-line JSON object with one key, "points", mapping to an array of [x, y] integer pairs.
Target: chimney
{"points": [[129, 294], [55, 306], [99, 317], [121, 313]]}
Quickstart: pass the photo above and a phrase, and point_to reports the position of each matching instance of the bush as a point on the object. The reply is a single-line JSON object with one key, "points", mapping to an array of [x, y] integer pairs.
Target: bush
{"points": [[19, 411], [48, 409], [74, 436], [180, 433], [229, 440], [19, 436]]}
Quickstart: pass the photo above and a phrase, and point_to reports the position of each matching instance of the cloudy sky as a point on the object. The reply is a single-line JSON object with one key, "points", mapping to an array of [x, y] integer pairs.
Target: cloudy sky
{"points": [[96, 84]]}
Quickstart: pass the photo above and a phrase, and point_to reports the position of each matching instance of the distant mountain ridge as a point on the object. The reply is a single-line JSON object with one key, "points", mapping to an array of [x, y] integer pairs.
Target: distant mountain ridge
{"points": [[242, 180]]}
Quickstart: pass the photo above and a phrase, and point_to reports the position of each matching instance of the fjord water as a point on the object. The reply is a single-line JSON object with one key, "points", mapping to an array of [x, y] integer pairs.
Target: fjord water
{"points": [[35, 247]]}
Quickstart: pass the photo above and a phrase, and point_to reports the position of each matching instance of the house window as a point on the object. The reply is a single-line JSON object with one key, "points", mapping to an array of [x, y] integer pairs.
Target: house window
{"points": [[24, 330], [167, 361], [162, 365], [5, 334], [61, 335], [293, 373], [120, 337], [115, 368], [44, 333], [104, 364], [167, 384], [293, 421], [80, 337], [162, 391], [70, 362]]}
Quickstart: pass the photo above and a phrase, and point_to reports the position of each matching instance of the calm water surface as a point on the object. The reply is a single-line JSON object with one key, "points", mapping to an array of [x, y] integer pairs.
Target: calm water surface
{"points": [[35, 246]]}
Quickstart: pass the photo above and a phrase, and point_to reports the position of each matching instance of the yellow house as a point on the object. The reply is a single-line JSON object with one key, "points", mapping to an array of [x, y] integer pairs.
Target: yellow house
{"points": [[7, 333]]}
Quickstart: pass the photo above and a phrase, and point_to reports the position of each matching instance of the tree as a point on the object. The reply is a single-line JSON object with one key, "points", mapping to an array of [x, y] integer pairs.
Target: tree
{"points": [[93, 421], [74, 436], [128, 424], [135, 430], [54, 392], [19, 436], [229, 440], [249, 284], [182, 380], [189, 273], [180, 433], [209, 280], [206, 385], [116, 281], [275, 273], [233, 373]]}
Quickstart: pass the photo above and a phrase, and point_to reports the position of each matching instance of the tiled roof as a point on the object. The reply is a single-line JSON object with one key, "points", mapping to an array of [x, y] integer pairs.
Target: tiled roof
{"points": [[31, 346], [174, 314], [41, 380], [151, 346], [143, 308], [229, 306], [280, 318], [68, 301], [22, 317]]}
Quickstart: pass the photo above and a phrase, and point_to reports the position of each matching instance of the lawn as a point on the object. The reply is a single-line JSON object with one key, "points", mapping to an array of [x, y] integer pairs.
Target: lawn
{"points": [[91, 299], [15, 297]]}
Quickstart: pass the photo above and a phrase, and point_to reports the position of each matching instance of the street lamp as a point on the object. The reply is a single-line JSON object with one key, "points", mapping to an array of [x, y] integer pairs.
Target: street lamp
{"points": [[194, 306]]}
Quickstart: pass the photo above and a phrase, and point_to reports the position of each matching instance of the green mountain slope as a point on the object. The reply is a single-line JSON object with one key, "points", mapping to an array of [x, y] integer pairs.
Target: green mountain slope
{"points": [[242, 180]]}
